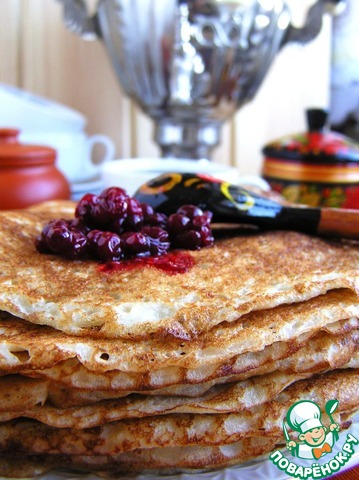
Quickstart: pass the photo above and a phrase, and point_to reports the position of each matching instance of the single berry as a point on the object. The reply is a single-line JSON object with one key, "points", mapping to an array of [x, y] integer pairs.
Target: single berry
{"points": [[190, 240], [159, 242], [86, 207], [41, 240], [206, 236], [136, 244], [156, 220], [79, 244], [190, 211], [147, 210], [114, 196], [177, 223], [106, 246], [201, 220], [112, 206], [134, 218], [92, 237], [57, 237], [41, 245]]}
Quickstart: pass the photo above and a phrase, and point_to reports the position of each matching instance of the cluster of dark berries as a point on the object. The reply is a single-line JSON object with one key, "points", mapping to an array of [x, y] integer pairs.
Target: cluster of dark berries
{"points": [[114, 226]]}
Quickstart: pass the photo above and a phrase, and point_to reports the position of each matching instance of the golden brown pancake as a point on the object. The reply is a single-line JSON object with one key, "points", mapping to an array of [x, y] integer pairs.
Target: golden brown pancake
{"points": [[37, 398], [238, 275], [227, 398], [110, 371], [32, 437], [323, 352], [326, 349], [221, 399], [32, 347], [149, 460]]}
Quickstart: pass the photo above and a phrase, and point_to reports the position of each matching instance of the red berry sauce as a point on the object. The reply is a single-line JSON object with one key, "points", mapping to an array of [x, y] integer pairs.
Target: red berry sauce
{"points": [[171, 263]]}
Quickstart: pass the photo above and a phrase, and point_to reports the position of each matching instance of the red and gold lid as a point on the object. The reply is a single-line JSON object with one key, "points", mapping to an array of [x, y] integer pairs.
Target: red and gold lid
{"points": [[318, 145], [317, 156]]}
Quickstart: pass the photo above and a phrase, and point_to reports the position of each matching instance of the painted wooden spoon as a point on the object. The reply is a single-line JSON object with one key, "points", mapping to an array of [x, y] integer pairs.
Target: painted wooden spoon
{"points": [[233, 204]]}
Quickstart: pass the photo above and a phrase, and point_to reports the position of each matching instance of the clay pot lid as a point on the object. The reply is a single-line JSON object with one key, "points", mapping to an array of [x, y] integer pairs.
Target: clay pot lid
{"points": [[13, 153], [318, 145]]}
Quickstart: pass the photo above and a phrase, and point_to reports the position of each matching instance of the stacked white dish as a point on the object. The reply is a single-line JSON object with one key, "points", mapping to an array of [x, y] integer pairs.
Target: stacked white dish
{"points": [[45, 122]]}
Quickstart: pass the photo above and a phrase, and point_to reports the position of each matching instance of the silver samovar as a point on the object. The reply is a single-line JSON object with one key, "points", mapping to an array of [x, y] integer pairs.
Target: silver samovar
{"points": [[191, 64]]}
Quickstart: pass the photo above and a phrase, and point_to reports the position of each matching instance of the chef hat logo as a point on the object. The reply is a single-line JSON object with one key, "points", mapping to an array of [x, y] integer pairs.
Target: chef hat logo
{"points": [[304, 416]]}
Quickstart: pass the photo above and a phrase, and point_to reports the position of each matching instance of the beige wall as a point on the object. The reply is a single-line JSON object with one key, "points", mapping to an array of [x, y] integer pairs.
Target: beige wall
{"points": [[37, 53]]}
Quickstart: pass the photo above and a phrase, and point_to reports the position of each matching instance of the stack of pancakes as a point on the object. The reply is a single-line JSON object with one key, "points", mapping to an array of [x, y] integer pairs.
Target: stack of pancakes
{"points": [[138, 370]]}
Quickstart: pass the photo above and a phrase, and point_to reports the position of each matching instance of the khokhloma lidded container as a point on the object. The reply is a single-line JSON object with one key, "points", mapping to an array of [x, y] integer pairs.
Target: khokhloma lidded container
{"points": [[318, 167]]}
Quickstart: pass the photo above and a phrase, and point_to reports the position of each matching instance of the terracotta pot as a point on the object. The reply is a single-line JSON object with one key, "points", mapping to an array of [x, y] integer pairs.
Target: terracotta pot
{"points": [[317, 168], [28, 174]]}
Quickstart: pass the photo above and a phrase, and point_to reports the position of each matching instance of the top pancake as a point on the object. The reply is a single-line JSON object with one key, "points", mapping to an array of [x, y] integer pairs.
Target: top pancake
{"points": [[240, 274]]}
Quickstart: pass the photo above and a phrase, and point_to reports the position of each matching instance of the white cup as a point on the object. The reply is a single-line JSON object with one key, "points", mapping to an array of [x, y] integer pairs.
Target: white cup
{"points": [[131, 173], [75, 152]]}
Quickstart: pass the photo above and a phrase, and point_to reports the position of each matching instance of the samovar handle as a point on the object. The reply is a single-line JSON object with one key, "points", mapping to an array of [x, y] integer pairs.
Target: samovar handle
{"points": [[313, 22], [78, 20]]}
